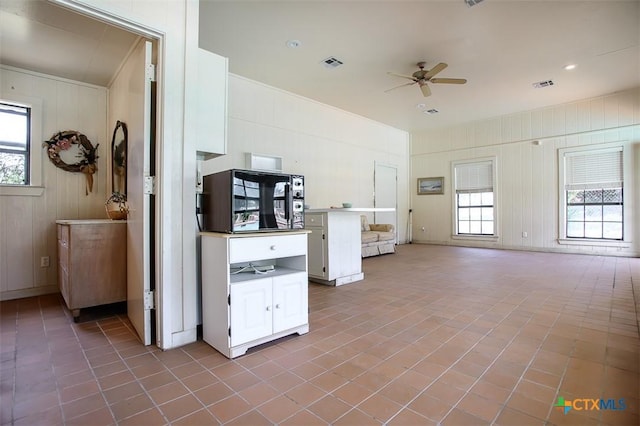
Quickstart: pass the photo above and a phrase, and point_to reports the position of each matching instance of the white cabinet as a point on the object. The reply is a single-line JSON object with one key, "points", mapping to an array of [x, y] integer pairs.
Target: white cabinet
{"points": [[334, 246], [262, 307], [254, 289], [207, 116]]}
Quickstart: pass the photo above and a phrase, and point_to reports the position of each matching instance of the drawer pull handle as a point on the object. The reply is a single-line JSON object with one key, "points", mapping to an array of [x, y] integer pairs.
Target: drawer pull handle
{"points": [[278, 306], [268, 308], [272, 247]]}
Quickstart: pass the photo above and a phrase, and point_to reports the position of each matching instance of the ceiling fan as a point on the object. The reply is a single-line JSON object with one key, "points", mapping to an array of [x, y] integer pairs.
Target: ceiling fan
{"points": [[422, 77]]}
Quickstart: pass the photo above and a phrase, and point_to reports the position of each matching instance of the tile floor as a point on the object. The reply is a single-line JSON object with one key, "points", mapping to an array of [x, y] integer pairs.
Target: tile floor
{"points": [[434, 334]]}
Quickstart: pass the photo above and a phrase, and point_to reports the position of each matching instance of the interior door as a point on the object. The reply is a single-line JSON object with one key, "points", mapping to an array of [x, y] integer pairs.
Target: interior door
{"points": [[139, 220], [386, 189]]}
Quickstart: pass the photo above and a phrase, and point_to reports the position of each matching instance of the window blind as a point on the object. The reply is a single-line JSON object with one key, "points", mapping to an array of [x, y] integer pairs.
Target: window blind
{"points": [[589, 169], [474, 177]]}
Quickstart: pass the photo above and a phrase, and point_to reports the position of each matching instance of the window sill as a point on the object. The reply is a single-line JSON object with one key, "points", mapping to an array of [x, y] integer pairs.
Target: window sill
{"points": [[492, 238], [21, 191], [598, 243]]}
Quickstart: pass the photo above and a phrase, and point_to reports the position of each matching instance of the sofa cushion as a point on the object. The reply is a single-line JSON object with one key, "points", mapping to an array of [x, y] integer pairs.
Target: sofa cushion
{"points": [[369, 237], [386, 236]]}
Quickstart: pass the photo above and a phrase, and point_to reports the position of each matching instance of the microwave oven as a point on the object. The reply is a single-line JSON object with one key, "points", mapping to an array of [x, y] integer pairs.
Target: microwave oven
{"points": [[235, 201]]}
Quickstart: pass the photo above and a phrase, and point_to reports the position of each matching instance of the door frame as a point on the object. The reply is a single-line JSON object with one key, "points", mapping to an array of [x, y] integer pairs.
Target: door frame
{"points": [[157, 37]]}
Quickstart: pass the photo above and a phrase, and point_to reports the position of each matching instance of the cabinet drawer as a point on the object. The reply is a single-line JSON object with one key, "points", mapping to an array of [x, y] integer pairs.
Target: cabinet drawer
{"points": [[313, 219], [257, 248]]}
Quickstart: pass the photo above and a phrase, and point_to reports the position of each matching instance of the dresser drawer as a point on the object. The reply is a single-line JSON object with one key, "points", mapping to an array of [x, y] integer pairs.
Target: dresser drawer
{"points": [[257, 248], [313, 219]]}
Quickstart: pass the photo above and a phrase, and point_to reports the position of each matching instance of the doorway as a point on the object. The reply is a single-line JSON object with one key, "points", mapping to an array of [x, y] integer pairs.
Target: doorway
{"points": [[386, 194]]}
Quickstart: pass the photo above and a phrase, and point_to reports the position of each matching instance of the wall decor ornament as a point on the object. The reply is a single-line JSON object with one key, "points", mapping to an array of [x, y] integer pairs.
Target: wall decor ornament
{"points": [[65, 144]]}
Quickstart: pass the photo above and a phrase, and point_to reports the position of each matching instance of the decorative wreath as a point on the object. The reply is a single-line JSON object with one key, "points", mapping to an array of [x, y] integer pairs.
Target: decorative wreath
{"points": [[62, 141]]}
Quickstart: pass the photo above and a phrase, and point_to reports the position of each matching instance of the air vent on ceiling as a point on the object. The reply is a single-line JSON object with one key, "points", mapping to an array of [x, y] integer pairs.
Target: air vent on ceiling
{"points": [[541, 84], [472, 2], [332, 62], [431, 111]]}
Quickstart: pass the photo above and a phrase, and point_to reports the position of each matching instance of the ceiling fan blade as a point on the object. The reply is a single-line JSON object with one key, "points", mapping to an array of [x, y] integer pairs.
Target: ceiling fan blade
{"points": [[435, 70], [402, 85], [449, 80], [425, 89], [402, 76]]}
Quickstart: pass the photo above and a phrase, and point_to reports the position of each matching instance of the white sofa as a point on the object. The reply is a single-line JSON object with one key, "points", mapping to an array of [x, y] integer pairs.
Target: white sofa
{"points": [[376, 238]]}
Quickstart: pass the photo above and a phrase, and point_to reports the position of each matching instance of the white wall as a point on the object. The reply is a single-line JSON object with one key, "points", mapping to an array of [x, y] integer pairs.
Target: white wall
{"points": [[27, 222], [527, 174], [335, 150]]}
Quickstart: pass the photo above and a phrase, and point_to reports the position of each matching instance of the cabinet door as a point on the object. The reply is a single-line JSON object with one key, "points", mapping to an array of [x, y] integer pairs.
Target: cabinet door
{"points": [[251, 310], [290, 301], [317, 250]]}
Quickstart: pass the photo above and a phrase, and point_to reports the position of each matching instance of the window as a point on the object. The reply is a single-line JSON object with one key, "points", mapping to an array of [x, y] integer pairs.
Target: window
{"points": [[593, 194], [474, 198], [15, 125]]}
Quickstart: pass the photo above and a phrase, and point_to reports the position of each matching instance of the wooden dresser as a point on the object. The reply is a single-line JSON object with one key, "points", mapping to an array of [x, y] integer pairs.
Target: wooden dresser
{"points": [[92, 262]]}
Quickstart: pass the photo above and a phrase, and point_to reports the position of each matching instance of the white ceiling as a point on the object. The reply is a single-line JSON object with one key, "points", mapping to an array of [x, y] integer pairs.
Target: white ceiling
{"points": [[500, 46], [39, 36]]}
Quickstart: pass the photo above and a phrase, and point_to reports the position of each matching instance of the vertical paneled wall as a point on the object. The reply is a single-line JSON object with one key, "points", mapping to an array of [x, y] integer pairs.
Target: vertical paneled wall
{"points": [[27, 223], [527, 172], [335, 150]]}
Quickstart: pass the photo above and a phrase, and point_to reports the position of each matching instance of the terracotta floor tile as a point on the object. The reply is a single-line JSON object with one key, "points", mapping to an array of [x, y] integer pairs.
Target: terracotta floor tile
{"points": [[152, 416], [356, 417], [480, 407], [201, 417], [213, 393], [230, 408], [304, 418], [252, 418], [329, 408], [167, 393], [452, 338], [410, 417], [180, 407], [379, 407], [457, 417], [279, 409], [131, 406]]}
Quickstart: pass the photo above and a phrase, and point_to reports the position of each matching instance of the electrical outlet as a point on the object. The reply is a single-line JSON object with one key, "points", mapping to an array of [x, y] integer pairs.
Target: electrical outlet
{"points": [[422, 229], [44, 262], [524, 234]]}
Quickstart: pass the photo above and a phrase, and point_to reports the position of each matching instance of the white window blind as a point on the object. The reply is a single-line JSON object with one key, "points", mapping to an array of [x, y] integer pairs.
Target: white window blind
{"points": [[474, 177], [584, 170]]}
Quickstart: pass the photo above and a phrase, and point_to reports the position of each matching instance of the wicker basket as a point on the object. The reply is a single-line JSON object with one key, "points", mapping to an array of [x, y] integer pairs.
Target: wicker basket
{"points": [[116, 214]]}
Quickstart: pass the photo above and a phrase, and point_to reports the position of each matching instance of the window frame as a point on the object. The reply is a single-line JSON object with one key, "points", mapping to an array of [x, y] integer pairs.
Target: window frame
{"points": [[35, 185], [24, 152], [454, 200], [627, 197]]}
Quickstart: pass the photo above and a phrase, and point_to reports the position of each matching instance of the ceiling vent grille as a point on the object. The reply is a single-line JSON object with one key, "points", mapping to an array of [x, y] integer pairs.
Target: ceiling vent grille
{"points": [[472, 2], [541, 84], [431, 111], [332, 62]]}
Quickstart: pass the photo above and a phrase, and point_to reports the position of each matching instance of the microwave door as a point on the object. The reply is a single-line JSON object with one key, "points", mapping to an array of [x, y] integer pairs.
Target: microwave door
{"points": [[281, 204]]}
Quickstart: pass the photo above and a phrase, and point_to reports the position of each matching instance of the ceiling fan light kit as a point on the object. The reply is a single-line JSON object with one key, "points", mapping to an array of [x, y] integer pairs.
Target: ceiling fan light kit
{"points": [[422, 77]]}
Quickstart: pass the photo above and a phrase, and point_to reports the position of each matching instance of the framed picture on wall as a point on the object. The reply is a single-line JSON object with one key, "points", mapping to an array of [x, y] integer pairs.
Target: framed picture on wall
{"points": [[430, 185]]}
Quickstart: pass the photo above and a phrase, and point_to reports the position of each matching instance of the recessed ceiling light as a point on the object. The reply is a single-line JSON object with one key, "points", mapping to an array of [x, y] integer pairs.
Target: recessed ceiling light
{"points": [[570, 67], [292, 44], [420, 106]]}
